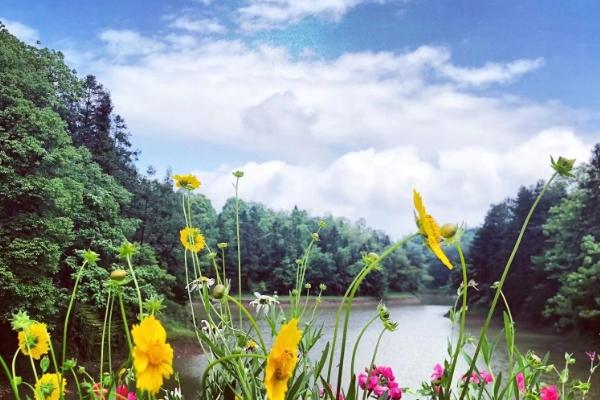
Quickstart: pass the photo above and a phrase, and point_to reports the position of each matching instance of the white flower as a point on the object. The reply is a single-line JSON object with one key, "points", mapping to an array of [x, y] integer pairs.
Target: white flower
{"points": [[174, 394], [209, 330], [263, 302], [201, 282]]}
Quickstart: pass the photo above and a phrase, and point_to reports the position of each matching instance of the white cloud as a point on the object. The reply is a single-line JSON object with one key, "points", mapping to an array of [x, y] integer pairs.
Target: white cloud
{"points": [[256, 15], [22, 31], [198, 25], [125, 42], [492, 72], [377, 185], [350, 135]]}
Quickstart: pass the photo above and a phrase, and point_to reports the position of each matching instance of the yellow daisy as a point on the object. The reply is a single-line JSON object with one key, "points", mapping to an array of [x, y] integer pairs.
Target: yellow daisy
{"points": [[34, 339], [48, 387], [430, 230], [188, 182], [192, 239], [152, 355], [282, 360]]}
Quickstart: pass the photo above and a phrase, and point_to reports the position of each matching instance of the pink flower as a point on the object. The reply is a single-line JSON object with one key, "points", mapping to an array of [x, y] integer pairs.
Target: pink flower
{"points": [[520, 381], [386, 372], [395, 393], [362, 381], [438, 372], [123, 394], [379, 390], [487, 377], [474, 378], [591, 355], [549, 393]]}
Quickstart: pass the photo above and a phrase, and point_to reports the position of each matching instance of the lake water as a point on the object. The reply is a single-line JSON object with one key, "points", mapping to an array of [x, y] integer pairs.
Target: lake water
{"points": [[412, 350]]}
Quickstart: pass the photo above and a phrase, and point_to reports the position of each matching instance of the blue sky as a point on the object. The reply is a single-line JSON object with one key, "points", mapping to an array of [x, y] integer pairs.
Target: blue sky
{"points": [[341, 105]]}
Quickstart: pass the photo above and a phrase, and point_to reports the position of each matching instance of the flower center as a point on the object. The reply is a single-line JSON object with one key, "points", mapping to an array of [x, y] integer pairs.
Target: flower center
{"points": [[155, 356]]}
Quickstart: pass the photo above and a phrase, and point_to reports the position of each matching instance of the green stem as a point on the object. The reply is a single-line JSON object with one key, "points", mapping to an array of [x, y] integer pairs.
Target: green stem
{"points": [[237, 233], [77, 384], [71, 301], [463, 315], [53, 356], [250, 319], [13, 385], [137, 287], [125, 324], [360, 335], [373, 358], [501, 284], [102, 340]]}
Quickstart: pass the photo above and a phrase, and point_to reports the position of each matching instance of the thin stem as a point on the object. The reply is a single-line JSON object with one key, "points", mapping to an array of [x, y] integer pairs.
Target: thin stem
{"points": [[251, 320], [71, 301], [501, 284], [137, 287], [53, 356], [77, 384], [360, 335], [13, 385], [125, 324], [373, 357], [102, 340], [237, 233], [463, 314]]}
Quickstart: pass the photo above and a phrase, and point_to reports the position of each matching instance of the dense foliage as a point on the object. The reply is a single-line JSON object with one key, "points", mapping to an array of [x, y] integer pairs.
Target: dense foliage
{"points": [[555, 274]]}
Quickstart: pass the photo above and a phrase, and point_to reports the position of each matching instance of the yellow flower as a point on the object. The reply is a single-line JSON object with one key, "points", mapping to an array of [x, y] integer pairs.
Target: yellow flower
{"points": [[36, 337], [282, 360], [48, 387], [430, 230], [189, 181], [192, 239], [152, 355]]}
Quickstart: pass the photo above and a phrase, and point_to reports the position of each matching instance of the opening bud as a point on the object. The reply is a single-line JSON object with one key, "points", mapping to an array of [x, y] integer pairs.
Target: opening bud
{"points": [[448, 230], [118, 275]]}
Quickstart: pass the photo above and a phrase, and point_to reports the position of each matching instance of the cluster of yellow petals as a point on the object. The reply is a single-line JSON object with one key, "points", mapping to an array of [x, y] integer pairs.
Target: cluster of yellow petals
{"points": [[430, 230], [49, 386], [189, 181], [282, 360], [152, 355], [192, 239], [37, 337]]}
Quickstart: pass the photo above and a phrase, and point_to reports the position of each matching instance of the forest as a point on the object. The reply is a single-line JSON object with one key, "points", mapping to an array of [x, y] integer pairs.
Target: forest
{"points": [[69, 182]]}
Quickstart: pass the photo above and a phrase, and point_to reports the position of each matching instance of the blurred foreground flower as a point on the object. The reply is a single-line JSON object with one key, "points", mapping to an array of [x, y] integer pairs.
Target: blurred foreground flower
{"points": [[152, 355], [282, 360], [48, 387], [430, 230], [192, 239]]}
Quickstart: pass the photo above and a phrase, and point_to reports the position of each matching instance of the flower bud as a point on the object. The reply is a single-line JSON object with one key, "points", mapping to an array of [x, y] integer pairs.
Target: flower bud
{"points": [[222, 245], [562, 166], [118, 275], [315, 236], [322, 287], [238, 173], [212, 255], [307, 286], [218, 291], [322, 224], [448, 230]]}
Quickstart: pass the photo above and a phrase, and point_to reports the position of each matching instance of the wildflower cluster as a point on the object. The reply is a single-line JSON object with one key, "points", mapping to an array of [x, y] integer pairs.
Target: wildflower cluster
{"points": [[234, 332]]}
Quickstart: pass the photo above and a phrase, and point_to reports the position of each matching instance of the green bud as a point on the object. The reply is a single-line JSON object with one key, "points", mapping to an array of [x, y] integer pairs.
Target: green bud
{"points": [[322, 224], [20, 320], [222, 245], [218, 291], [90, 256], [69, 364], [154, 305], [307, 286], [322, 287], [17, 380], [448, 230], [118, 275], [45, 363], [315, 236], [212, 255], [238, 173], [299, 261], [563, 166], [127, 249]]}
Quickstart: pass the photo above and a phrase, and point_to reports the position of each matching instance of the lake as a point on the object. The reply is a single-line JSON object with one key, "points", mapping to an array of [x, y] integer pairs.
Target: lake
{"points": [[418, 344]]}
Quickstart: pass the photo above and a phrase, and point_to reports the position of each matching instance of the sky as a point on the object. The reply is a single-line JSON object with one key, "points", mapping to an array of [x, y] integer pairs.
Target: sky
{"points": [[341, 106]]}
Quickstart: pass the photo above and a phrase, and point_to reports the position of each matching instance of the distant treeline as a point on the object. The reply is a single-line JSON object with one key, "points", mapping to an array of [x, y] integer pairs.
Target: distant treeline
{"points": [[555, 276]]}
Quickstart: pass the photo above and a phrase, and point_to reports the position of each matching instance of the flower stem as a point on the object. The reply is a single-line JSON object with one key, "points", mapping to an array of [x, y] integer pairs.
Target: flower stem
{"points": [[360, 335], [125, 324], [11, 379], [71, 301], [137, 287], [501, 284], [237, 233], [463, 315], [102, 340]]}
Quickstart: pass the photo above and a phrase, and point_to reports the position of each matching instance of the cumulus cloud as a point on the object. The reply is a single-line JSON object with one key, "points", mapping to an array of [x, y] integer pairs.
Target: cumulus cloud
{"points": [[257, 15], [198, 25], [376, 185], [125, 42], [24, 32], [350, 135]]}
